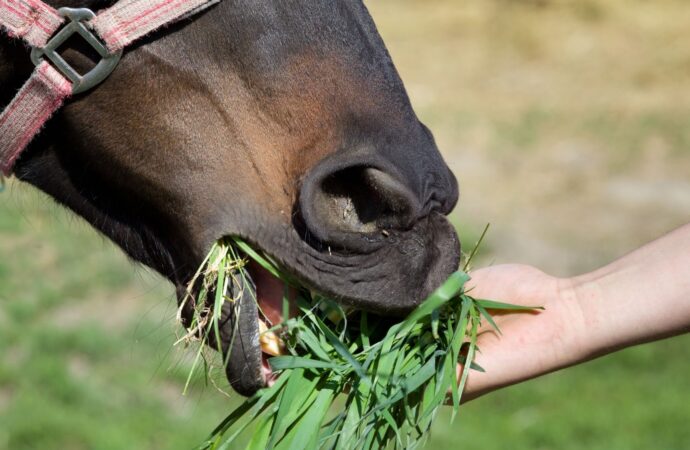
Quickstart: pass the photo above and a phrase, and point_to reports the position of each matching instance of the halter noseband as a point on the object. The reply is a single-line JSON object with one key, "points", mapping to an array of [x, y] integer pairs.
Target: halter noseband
{"points": [[54, 80]]}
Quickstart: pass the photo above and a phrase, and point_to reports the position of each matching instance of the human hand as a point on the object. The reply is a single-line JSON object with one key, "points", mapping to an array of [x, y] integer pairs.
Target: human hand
{"points": [[641, 297], [531, 343]]}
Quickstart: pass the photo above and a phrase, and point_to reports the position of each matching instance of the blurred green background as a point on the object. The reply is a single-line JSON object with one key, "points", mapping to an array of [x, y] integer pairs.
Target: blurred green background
{"points": [[567, 123]]}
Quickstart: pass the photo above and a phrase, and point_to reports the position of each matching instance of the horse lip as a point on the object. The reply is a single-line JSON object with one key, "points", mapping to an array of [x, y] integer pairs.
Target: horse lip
{"points": [[247, 366], [393, 278], [244, 368], [401, 271]]}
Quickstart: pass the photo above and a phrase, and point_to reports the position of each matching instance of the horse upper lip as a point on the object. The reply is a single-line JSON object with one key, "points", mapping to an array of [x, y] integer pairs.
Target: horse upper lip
{"points": [[394, 276]]}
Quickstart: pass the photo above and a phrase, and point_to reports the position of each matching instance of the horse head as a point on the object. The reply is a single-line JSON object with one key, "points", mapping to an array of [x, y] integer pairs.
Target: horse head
{"points": [[282, 122]]}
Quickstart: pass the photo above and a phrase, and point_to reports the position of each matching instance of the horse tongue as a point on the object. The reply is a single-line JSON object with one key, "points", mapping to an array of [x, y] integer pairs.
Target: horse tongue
{"points": [[269, 293]]}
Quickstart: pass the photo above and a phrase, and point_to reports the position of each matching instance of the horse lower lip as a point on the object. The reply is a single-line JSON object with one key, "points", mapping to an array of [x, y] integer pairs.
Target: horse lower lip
{"points": [[244, 368]]}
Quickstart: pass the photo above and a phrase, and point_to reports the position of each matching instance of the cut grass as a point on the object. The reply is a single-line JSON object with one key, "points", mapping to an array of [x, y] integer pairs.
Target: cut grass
{"points": [[206, 296], [393, 377]]}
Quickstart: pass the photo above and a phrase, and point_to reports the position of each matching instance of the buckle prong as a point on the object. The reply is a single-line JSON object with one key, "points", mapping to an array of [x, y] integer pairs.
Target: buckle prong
{"points": [[77, 19]]}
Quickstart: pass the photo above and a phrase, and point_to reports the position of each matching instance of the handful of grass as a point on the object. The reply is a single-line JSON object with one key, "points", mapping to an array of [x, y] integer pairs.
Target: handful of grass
{"points": [[354, 381]]}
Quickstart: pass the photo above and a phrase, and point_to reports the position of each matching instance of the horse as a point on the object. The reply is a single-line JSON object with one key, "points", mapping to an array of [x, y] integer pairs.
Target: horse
{"points": [[283, 122]]}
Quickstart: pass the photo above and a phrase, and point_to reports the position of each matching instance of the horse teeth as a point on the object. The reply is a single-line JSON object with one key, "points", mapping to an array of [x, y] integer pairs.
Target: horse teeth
{"points": [[271, 344]]}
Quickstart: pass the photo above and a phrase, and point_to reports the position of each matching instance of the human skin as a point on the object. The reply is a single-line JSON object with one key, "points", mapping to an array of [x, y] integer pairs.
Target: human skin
{"points": [[642, 297]]}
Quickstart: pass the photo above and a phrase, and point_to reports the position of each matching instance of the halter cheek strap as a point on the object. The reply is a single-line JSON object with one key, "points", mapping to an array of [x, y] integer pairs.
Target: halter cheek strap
{"points": [[54, 80], [40, 97]]}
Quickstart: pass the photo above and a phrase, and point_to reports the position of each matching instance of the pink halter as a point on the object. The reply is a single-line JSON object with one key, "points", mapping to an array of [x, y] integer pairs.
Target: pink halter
{"points": [[53, 80]]}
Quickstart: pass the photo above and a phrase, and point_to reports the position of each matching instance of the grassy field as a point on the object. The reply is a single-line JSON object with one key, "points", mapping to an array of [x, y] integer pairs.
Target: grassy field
{"points": [[568, 125]]}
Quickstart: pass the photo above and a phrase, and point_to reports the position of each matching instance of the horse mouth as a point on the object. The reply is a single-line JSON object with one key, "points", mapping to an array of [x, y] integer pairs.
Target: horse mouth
{"points": [[390, 282]]}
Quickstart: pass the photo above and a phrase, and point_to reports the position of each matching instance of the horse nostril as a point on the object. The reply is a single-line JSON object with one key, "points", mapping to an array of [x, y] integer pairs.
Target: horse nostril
{"points": [[356, 200]]}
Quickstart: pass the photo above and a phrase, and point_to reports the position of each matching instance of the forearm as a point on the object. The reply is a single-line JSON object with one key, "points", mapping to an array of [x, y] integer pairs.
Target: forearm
{"points": [[642, 297]]}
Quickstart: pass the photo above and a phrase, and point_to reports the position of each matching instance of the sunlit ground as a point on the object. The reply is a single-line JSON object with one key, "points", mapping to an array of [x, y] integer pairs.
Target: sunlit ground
{"points": [[568, 126]]}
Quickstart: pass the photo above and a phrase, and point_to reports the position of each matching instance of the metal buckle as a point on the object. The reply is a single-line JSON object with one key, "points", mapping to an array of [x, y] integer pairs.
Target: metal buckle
{"points": [[80, 83]]}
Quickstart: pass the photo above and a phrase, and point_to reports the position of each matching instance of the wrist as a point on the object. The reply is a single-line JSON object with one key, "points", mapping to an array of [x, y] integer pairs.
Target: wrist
{"points": [[582, 335]]}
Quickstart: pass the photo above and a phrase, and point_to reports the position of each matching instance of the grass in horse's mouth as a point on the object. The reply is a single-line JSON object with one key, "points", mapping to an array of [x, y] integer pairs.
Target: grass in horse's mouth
{"points": [[211, 289], [393, 377]]}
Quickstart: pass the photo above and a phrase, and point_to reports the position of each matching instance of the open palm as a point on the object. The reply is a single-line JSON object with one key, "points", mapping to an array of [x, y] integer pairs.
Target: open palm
{"points": [[530, 343]]}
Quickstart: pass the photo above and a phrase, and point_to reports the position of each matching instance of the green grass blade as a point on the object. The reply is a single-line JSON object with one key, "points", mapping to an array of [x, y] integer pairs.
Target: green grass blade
{"points": [[471, 350], [262, 434], [488, 317], [295, 398], [473, 253], [452, 287], [305, 434], [500, 306], [279, 363], [343, 351]]}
